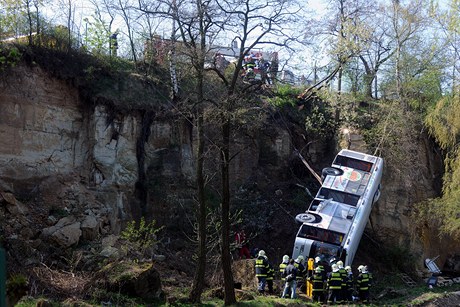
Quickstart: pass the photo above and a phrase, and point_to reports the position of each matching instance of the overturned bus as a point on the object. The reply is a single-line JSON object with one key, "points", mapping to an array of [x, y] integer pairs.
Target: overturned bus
{"points": [[334, 223]]}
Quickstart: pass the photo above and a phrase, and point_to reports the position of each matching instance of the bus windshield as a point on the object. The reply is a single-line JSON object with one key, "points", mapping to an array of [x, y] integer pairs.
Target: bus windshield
{"points": [[320, 234]]}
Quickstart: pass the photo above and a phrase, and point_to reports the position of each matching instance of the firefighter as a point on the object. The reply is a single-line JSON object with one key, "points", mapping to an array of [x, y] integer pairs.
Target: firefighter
{"points": [[334, 284], [283, 264], [363, 284], [343, 274], [261, 271], [318, 264], [349, 292], [318, 291], [299, 264], [270, 276]]}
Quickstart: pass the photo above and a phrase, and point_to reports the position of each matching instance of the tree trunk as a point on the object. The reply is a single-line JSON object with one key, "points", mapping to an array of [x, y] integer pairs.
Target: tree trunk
{"points": [[198, 280], [368, 80], [339, 80], [225, 238]]}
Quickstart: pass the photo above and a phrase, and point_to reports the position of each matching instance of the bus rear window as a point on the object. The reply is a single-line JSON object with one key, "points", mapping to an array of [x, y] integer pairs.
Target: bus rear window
{"points": [[319, 234], [353, 163]]}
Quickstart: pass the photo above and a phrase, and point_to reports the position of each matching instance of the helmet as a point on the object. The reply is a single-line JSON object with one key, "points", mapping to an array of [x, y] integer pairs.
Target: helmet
{"points": [[364, 270], [360, 268], [335, 268], [285, 258], [300, 258], [318, 259], [261, 253], [340, 264], [332, 260], [318, 270], [348, 268]]}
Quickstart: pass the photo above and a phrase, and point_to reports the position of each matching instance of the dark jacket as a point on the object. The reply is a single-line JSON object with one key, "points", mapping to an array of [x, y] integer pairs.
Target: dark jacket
{"points": [[363, 281], [261, 266], [290, 270], [301, 270], [334, 282], [270, 272], [317, 282]]}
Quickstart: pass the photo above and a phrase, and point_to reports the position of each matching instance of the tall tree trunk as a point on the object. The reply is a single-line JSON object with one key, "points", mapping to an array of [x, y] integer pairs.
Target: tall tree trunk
{"points": [[369, 76], [198, 280], [225, 237]]}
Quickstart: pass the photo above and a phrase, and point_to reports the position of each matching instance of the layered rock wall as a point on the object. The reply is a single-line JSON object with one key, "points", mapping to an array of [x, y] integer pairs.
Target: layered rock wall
{"points": [[68, 158]]}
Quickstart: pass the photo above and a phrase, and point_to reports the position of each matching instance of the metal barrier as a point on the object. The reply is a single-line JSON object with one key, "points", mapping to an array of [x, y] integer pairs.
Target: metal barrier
{"points": [[2, 278]]}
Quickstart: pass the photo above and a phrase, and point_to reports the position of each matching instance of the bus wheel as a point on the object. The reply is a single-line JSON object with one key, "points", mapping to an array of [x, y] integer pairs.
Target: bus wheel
{"points": [[331, 171], [307, 218]]}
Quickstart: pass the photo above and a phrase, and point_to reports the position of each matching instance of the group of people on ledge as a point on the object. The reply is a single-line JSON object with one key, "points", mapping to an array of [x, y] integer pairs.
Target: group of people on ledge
{"points": [[325, 282]]}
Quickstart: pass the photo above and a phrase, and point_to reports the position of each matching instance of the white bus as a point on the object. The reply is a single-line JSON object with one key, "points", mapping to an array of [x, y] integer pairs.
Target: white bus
{"points": [[334, 223]]}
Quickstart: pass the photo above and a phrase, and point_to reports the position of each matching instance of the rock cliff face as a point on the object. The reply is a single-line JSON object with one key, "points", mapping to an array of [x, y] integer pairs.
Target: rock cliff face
{"points": [[70, 159], [84, 169]]}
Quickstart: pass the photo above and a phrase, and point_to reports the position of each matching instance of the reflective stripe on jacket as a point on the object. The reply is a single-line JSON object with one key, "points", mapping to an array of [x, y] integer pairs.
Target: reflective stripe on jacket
{"points": [[363, 281], [270, 272], [350, 281], [283, 265], [343, 273], [335, 281], [261, 266], [318, 282]]}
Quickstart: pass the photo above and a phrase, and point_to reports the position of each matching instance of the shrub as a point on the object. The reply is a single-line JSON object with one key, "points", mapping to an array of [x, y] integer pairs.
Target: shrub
{"points": [[142, 237]]}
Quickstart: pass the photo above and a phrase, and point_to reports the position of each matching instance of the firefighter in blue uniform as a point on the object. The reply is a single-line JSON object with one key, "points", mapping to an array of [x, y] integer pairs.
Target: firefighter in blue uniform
{"points": [[363, 283], [262, 267], [334, 284], [318, 281], [270, 277], [343, 274], [349, 293]]}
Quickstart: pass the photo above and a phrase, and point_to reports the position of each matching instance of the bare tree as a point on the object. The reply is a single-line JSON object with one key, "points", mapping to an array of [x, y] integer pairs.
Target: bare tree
{"points": [[127, 9], [448, 21], [344, 33], [405, 21]]}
